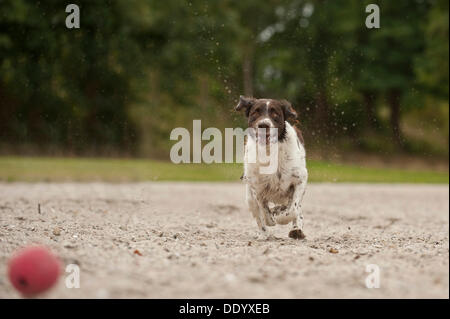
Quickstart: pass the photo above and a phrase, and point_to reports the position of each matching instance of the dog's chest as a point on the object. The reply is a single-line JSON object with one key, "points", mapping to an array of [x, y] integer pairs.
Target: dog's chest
{"points": [[274, 187], [291, 170]]}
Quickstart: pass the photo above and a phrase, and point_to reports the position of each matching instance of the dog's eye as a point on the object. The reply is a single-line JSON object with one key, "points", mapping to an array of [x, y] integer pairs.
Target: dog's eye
{"points": [[274, 113], [256, 111]]}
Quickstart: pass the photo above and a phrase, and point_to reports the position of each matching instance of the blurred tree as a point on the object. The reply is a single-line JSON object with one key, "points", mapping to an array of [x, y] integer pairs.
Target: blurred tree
{"points": [[252, 19], [303, 61], [432, 67], [69, 88], [389, 54], [136, 69]]}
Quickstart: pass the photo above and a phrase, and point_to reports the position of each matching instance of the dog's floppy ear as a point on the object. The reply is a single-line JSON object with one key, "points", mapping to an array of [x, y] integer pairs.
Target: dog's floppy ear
{"points": [[244, 103], [288, 110]]}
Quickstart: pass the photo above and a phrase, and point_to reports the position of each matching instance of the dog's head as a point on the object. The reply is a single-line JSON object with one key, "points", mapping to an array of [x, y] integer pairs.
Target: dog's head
{"points": [[266, 114]]}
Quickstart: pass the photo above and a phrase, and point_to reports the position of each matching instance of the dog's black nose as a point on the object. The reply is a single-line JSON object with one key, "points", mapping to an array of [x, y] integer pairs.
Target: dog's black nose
{"points": [[263, 125]]}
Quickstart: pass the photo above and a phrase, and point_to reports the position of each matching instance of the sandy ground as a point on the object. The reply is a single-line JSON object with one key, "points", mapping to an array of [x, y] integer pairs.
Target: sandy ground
{"points": [[196, 240]]}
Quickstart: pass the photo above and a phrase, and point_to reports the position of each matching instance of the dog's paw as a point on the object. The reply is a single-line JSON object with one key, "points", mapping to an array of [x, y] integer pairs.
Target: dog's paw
{"points": [[296, 234]]}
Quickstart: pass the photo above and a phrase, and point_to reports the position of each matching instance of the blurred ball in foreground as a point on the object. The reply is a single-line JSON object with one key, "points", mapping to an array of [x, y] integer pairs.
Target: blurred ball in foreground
{"points": [[33, 270]]}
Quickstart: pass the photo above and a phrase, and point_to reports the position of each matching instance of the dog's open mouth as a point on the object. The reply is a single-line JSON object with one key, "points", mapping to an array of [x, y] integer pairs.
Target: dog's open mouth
{"points": [[266, 136]]}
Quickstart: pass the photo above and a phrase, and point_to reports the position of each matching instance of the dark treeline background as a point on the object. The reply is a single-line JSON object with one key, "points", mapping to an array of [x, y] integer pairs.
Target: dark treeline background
{"points": [[136, 69]]}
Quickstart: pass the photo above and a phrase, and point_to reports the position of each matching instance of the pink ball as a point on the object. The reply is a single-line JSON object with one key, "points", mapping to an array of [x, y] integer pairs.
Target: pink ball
{"points": [[33, 270]]}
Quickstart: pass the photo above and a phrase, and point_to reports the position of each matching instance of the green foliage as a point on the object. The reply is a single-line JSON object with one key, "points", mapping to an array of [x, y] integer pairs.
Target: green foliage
{"points": [[136, 69], [432, 65], [68, 88]]}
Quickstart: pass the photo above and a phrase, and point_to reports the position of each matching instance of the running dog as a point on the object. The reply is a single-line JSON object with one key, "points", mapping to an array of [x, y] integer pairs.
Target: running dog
{"points": [[276, 197]]}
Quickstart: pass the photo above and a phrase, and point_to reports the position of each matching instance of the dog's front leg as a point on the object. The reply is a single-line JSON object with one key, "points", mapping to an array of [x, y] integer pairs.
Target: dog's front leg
{"points": [[296, 208], [293, 211], [255, 207], [265, 212]]}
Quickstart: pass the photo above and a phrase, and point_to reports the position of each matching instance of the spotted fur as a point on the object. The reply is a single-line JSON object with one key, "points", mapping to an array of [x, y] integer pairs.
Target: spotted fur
{"points": [[276, 198]]}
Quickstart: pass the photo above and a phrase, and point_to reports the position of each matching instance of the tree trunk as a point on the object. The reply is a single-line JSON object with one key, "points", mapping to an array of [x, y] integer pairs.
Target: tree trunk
{"points": [[369, 104], [247, 71], [323, 115], [394, 103]]}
